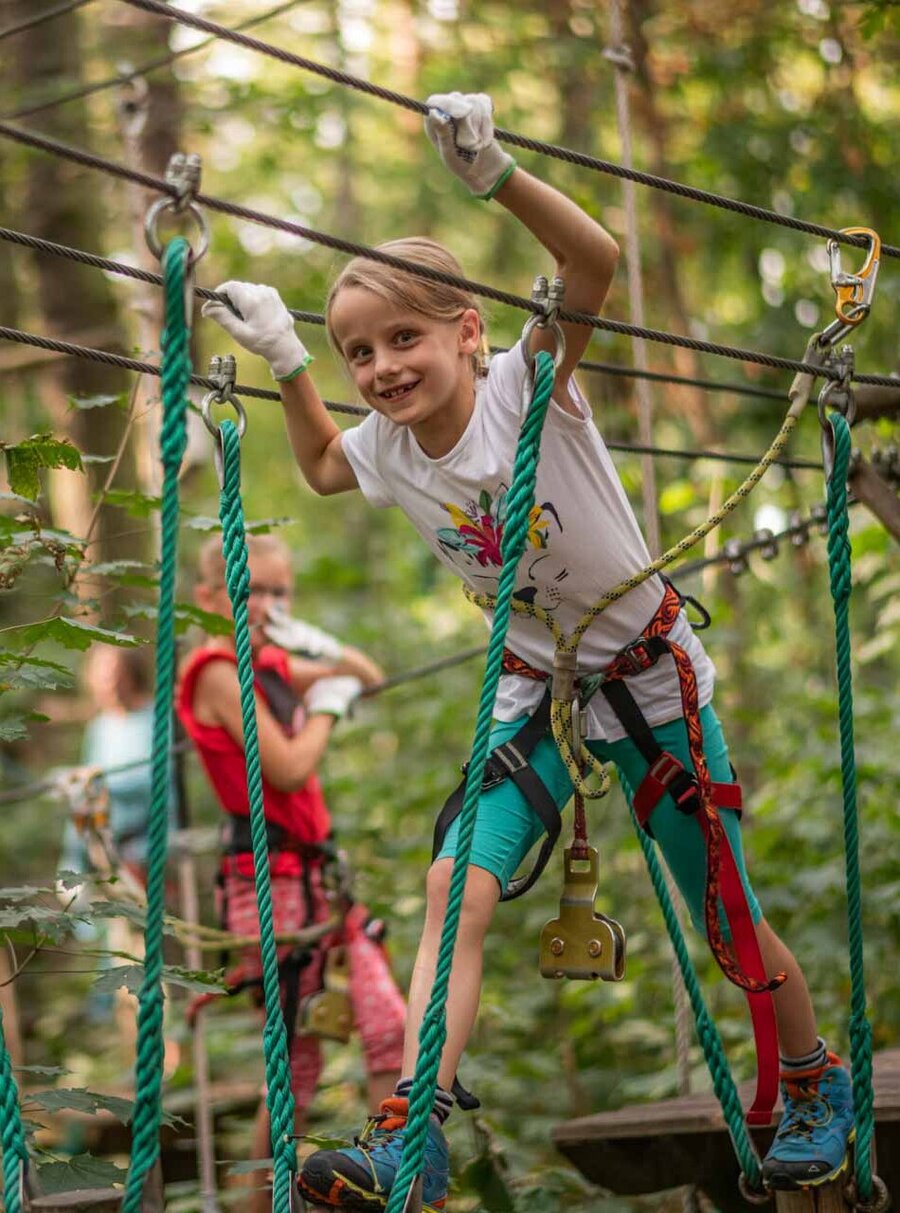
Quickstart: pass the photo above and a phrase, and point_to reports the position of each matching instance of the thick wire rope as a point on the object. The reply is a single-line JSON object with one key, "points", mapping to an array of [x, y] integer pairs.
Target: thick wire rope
{"points": [[39, 18], [532, 145], [90, 160], [175, 345], [334, 406], [152, 65], [607, 368]]}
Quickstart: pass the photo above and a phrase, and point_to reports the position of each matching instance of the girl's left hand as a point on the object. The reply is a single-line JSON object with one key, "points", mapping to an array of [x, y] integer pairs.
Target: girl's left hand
{"points": [[461, 127]]}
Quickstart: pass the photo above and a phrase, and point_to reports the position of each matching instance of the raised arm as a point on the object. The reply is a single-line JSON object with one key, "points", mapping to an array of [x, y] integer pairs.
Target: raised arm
{"points": [[259, 321], [584, 252], [461, 128]]}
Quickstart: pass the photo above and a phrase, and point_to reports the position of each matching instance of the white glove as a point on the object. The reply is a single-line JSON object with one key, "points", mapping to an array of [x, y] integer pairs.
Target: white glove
{"points": [[299, 637], [461, 127], [332, 696], [264, 326]]}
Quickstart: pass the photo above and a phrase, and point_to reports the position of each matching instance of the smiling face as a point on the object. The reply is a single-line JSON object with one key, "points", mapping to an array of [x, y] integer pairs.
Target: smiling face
{"points": [[415, 370]]}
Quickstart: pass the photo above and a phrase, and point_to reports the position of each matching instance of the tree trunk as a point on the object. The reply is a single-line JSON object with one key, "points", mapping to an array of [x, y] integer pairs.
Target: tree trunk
{"points": [[64, 204]]}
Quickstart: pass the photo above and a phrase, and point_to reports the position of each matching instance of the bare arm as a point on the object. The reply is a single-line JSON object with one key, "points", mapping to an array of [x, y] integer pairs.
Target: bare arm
{"points": [[286, 762], [585, 255], [315, 439]]}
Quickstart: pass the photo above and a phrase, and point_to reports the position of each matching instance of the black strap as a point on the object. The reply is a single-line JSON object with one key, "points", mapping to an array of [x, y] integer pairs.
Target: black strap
{"points": [[510, 761], [237, 839], [683, 785]]}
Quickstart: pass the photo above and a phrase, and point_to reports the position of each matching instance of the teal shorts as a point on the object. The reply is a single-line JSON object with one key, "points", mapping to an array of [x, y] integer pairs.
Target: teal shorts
{"points": [[507, 827]]}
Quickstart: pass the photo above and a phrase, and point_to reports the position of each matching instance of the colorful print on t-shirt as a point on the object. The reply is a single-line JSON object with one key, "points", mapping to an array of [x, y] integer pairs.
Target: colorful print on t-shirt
{"points": [[476, 538]]}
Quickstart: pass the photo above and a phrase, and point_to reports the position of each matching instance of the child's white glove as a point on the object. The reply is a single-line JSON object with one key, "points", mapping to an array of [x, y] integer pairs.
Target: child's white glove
{"points": [[332, 696], [461, 127], [264, 326], [297, 636]]}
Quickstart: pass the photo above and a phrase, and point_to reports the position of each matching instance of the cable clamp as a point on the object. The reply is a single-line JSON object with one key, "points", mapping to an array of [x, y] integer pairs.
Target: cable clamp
{"points": [[222, 374], [547, 298], [183, 178]]}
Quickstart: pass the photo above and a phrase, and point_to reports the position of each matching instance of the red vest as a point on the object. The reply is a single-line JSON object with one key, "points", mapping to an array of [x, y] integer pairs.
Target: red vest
{"points": [[302, 813]]}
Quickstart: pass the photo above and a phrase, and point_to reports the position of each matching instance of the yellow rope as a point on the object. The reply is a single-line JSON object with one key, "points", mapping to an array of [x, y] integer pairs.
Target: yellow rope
{"points": [[561, 709]]}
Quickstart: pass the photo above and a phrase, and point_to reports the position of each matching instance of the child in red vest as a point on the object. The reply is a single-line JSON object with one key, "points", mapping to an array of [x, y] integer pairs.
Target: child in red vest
{"points": [[299, 699]]}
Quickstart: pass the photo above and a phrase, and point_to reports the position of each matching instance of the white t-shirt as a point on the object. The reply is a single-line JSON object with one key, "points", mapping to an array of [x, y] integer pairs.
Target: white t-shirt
{"points": [[583, 540]]}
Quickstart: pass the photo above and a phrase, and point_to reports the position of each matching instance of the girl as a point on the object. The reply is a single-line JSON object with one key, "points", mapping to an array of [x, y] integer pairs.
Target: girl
{"points": [[440, 444]]}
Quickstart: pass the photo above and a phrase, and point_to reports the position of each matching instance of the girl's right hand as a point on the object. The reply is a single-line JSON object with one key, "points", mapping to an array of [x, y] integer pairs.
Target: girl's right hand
{"points": [[261, 324]]}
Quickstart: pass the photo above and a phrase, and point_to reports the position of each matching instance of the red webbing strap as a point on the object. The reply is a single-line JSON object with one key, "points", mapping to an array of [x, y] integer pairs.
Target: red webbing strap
{"points": [[762, 1008], [656, 783]]}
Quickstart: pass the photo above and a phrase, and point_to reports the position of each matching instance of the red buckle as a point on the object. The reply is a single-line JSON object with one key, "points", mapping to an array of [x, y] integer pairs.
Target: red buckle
{"points": [[655, 784], [635, 657], [665, 768]]}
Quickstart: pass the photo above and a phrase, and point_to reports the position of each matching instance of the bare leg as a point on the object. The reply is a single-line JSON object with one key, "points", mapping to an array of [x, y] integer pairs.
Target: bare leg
{"points": [[380, 1086], [481, 896], [793, 1006]]}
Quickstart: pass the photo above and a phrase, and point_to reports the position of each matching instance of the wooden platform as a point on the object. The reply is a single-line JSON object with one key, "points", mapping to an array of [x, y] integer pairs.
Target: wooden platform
{"points": [[657, 1146]]}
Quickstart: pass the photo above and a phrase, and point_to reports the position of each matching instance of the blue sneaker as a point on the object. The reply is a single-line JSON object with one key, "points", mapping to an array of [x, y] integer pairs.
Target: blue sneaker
{"points": [[811, 1145], [360, 1177]]}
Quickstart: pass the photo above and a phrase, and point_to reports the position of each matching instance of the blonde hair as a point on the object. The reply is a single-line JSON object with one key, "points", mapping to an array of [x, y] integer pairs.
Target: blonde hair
{"points": [[436, 300], [211, 560]]}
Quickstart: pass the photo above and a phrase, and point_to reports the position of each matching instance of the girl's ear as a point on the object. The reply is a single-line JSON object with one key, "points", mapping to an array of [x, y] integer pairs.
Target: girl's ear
{"points": [[469, 331]]}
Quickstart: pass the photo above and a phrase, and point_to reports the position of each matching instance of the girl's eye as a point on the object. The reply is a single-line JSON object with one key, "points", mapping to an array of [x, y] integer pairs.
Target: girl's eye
{"points": [[405, 336], [360, 353]]}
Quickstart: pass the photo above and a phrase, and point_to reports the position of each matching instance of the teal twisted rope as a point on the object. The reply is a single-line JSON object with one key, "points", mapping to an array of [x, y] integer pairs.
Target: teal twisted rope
{"points": [[176, 373], [708, 1033], [841, 583], [12, 1136], [433, 1032], [279, 1096]]}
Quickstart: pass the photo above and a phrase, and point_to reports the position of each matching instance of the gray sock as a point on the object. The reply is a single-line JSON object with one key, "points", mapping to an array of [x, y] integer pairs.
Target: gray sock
{"points": [[818, 1057], [443, 1100]]}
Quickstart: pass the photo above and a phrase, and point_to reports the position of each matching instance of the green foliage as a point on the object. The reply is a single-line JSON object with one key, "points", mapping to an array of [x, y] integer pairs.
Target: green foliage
{"points": [[24, 460], [82, 1171], [69, 633]]}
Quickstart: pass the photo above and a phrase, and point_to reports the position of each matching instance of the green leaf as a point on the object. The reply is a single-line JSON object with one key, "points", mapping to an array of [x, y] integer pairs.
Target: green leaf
{"points": [[15, 727], [138, 505], [82, 1171], [186, 615], [25, 459], [70, 633], [32, 673], [260, 526], [79, 1099], [131, 976], [42, 1071]]}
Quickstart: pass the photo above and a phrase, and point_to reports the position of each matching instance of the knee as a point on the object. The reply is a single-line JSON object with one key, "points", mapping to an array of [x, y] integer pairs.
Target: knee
{"points": [[480, 896]]}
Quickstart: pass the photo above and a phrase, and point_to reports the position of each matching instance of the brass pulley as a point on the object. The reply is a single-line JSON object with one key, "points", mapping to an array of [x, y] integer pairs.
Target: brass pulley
{"points": [[328, 1013], [582, 943]]}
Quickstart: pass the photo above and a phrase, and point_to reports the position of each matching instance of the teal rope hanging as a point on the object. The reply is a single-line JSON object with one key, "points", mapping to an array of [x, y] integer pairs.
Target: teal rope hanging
{"points": [[176, 373], [12, 1135], [713, 1049], [433, 1032], [279, 1096], [860, 1029]]}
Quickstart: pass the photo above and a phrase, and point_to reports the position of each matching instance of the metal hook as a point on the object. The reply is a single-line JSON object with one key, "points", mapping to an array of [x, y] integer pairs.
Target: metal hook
{"points": [[183, 174], [222, 371], [853, 292], [836, 394], [548, 297]]}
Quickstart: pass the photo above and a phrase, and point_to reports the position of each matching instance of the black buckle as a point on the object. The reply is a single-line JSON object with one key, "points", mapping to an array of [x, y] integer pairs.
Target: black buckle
{"points": [[680, 784], [502, 764], [641, 654]]}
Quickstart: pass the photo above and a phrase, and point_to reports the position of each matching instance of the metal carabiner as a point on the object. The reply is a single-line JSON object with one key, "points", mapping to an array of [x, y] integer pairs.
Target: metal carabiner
{"points": [[853, 292]]}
